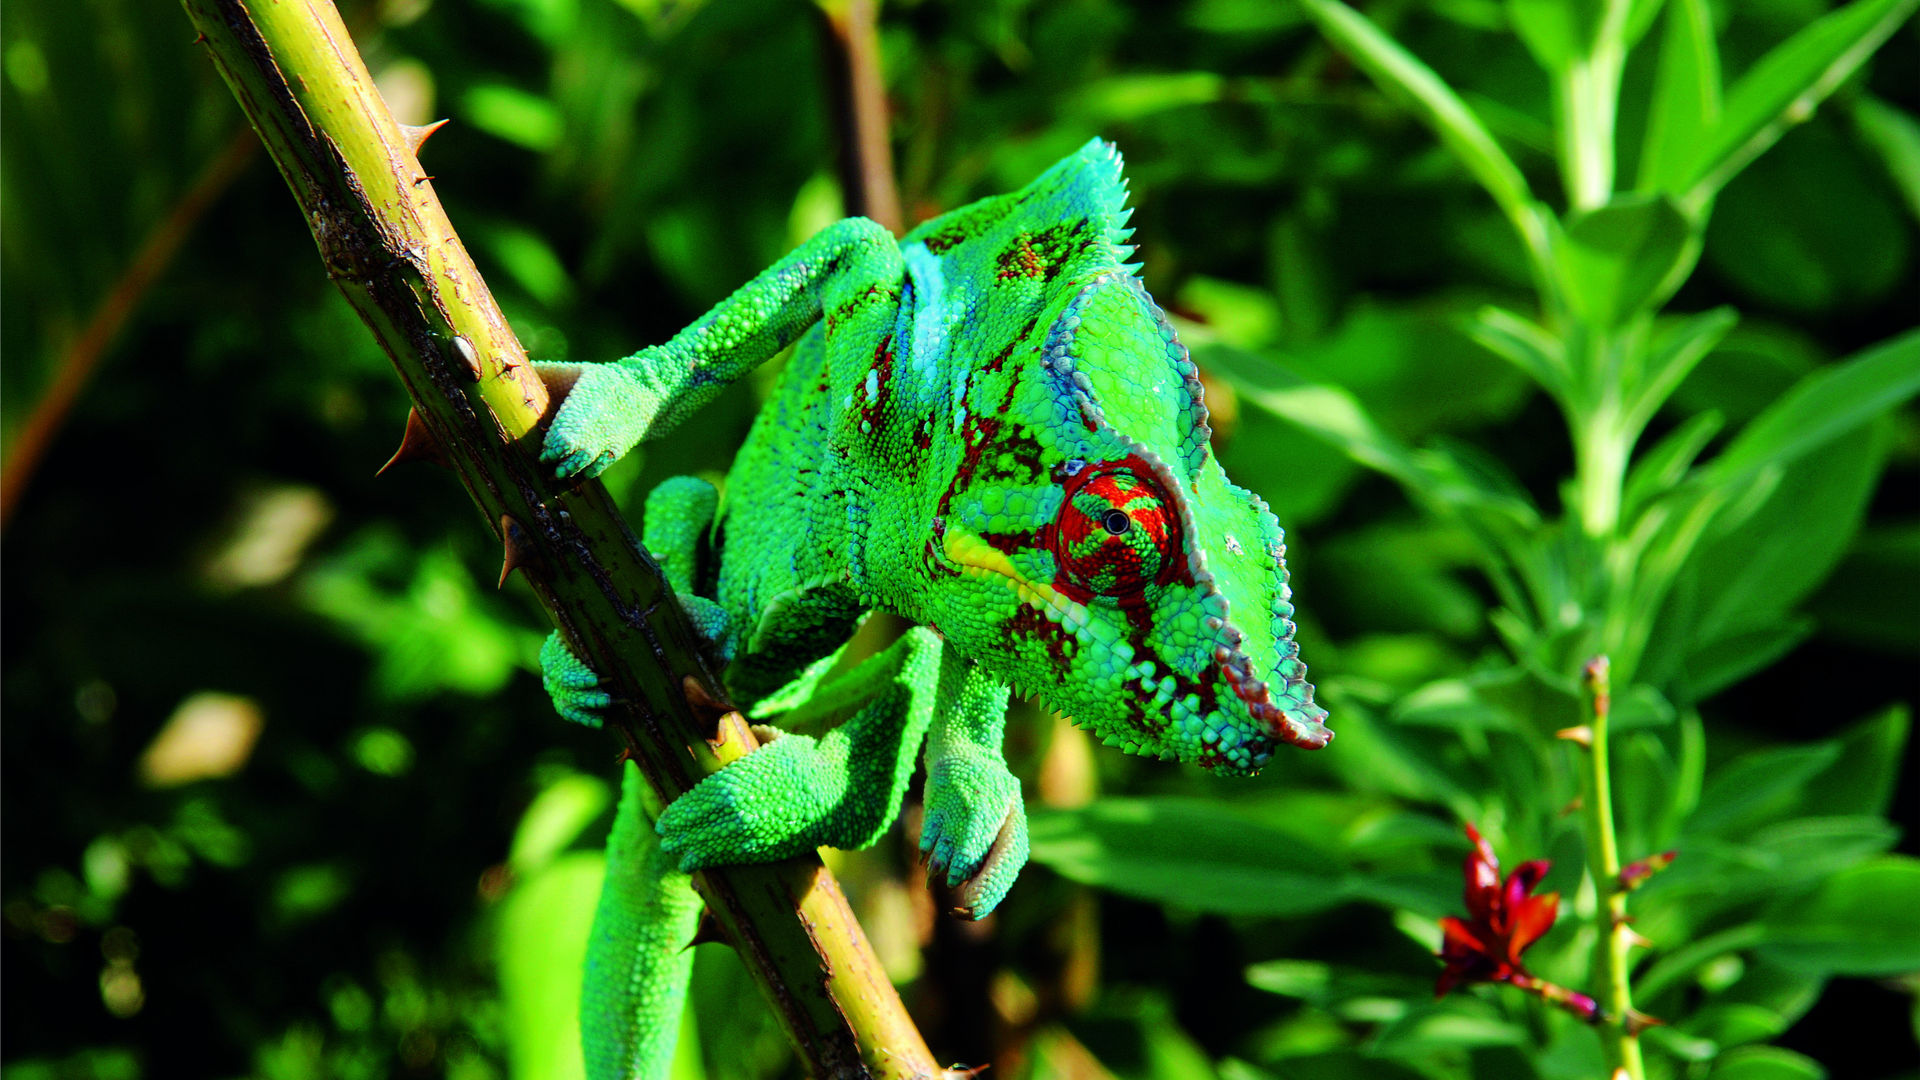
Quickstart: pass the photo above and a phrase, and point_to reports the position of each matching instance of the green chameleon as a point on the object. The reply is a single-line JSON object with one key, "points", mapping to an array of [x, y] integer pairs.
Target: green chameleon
{"points": [[991, 430]]}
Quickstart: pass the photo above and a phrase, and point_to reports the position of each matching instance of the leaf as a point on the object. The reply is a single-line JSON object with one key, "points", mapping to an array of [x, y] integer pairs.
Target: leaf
{"points": [[1526, 345], [555, 818], [1823, 406], [542, 945], [1864, 921], [1686, 97], [1395, 69], [1895, 136], [1862, 779], [1556, 32], [1765, 1063], [1616, 259], [1786, 85], [1677, 349], [1750, 785], [1659, 469], [1454, 1024], [1871, 596], [1751, 577], [1714, 665], [1189, 853]]}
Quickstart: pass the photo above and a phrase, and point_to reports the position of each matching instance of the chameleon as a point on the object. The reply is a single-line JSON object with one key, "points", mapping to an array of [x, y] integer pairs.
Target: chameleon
{"points": [[990, 429]]}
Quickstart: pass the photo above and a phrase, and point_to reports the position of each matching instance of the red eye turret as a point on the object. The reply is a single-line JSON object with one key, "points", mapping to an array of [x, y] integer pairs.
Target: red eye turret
{"points": [[1117, 533]]}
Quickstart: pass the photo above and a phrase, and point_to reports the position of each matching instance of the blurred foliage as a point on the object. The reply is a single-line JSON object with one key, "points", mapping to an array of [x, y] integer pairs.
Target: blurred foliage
{"points": [[282, 797]]}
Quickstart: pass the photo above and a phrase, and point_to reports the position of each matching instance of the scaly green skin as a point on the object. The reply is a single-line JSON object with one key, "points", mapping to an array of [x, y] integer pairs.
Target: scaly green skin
{"points": [[987, 428], [638, 959]]}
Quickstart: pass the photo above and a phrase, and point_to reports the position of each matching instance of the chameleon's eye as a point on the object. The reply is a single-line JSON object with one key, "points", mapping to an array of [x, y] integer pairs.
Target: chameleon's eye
{"points": [[1116, 534]]}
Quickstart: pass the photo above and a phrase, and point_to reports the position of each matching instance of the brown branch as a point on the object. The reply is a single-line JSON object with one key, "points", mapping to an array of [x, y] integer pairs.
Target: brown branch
{"points": [[387, 244], [110, 315], [860, 97]]}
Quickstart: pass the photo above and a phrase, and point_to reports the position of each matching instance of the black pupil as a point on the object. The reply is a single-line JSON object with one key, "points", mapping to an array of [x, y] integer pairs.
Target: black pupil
{"points": [[1115, 521]]}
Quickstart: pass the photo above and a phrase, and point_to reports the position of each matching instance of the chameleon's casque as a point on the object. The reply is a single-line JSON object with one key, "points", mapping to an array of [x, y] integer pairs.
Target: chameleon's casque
{"points": [[987, 428]]}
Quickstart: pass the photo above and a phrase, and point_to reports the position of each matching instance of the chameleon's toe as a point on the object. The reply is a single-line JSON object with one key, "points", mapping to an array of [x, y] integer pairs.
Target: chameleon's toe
{"points": [[974, 833], [572, 685]]}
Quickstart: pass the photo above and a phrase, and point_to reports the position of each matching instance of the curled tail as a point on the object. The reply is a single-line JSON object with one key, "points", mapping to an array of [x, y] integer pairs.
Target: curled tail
{"points": [[639, 958]]}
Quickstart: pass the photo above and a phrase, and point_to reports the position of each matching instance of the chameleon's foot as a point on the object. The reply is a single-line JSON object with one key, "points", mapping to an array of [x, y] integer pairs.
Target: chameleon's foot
{"points": [[974, 833], [605, 413], [783, 799], [709, 620], [572, 685]]}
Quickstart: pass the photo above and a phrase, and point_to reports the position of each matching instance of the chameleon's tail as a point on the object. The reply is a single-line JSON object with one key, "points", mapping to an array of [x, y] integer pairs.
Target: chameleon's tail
{"points": [[639, 957]]}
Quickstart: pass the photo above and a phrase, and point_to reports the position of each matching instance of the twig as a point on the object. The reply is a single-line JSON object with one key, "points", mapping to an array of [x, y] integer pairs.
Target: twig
{"points": [[110, 315], [1603, 865], [387, 244]]}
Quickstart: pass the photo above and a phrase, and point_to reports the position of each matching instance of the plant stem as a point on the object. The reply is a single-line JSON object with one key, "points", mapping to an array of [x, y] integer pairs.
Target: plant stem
{"points": [[1603, 863], [388, 245]]}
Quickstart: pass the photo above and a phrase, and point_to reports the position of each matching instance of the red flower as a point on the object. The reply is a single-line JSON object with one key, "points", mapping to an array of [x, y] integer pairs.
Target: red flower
{"points": [[1502, 920]]}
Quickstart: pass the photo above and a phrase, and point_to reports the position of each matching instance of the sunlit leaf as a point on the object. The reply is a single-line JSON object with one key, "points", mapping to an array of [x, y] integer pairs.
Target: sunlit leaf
{"points": [[1188, 854], [1786, 85], [1686, 97]]}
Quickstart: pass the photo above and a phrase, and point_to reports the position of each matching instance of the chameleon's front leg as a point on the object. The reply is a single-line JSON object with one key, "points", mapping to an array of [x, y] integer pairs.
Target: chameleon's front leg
{"points": [[974, 832], [842, 789], [849, 272], [639, 959]]}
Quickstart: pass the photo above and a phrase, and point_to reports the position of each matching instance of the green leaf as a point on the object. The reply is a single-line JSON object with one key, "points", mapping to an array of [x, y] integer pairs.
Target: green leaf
{"points": [[1765, 1063], [1786, 85], [541, 947], [1686, 97], [1863, 778], [1895, 136], [1823, 406], [510, 113], [1751, 785], [1526, 345], [1678, 347], [1557, 32], [1189, 853], [1397, 70], [1616, 259], [1864, 921], [1457, 1023], [555, 818], [1659, 469], [1870, 598]]}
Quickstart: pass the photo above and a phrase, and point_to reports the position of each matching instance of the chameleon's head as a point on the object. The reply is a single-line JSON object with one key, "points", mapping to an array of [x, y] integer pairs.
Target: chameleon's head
{"points": [[1093, 551]]}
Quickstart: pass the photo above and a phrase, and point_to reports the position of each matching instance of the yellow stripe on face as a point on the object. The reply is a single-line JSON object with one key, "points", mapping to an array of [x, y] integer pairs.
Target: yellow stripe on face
{"points": [[975, 555]]}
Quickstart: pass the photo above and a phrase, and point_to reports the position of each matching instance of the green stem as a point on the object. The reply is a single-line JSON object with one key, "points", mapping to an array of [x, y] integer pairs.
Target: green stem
{"points": [[1603, 863]]}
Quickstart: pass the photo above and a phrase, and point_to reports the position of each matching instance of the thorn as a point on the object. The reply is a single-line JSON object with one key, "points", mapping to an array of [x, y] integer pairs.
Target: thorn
{"points": [[519, 547], [1635, 939], [468, 354], [707, 708], [1582, 734], [1573, 807], [200, 39], [417, 136], [1637, 1022], [709, 932], [416, 444]]}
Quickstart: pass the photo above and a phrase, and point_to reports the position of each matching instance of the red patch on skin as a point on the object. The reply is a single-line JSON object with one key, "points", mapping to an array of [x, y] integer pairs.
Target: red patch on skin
{"points": [[1038, 255], [874, 411]]}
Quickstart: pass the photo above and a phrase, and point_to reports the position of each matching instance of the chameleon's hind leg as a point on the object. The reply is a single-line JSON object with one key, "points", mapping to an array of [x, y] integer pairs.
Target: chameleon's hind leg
{"points": [[639, 958], [679, 514], [974, 832], [842, 789]]}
